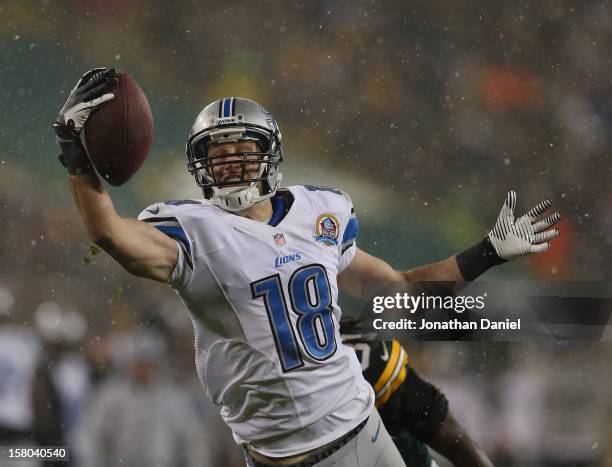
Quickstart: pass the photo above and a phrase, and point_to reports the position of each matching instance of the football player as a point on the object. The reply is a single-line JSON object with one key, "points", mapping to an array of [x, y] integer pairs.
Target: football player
{"points": [[414, 411], [258, 269]]}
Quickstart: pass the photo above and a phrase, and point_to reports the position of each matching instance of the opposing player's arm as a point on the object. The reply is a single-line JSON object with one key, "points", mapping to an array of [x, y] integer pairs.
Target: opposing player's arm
{"points": [[140, 248], [454, 443]]}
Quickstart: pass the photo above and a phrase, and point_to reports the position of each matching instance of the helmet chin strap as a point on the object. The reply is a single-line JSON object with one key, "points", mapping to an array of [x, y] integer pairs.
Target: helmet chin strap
{"points": [[236, 199], [239, 199]]}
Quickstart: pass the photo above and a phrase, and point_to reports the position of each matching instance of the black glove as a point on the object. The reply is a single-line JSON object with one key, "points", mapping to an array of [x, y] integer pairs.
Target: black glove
{"points": [[90, 93]]}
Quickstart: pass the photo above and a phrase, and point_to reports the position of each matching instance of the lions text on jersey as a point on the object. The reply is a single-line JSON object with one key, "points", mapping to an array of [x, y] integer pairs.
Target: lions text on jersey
{"points": [[263, 301]]}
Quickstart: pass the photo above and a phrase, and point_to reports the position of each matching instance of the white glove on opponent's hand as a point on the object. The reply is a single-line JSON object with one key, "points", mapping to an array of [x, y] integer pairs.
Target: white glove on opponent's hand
{"points": [[512, 237]]}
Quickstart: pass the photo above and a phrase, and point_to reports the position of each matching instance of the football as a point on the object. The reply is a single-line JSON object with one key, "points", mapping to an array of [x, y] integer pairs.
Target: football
{"points": [[118, 136]]}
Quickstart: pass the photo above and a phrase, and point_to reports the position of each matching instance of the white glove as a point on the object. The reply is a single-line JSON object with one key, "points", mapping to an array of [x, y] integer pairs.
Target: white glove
{"points": [[512, 237], [91, 92]]}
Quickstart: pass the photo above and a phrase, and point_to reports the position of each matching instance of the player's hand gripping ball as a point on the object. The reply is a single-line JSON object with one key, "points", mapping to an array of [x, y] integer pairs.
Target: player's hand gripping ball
{"points": [[118, 125]]}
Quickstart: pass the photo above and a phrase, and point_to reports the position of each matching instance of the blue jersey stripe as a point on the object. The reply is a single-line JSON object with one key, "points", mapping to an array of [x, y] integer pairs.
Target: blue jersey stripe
{"points": [[351, 231], [177, 233], [278, 209]]}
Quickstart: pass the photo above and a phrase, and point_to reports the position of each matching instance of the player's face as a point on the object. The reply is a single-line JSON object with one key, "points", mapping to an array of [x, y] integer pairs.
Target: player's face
{"points": [[228, 158]]}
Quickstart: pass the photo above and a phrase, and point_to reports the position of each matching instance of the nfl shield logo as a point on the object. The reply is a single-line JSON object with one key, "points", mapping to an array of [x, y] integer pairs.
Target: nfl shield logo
{"points": [[279, 239]]}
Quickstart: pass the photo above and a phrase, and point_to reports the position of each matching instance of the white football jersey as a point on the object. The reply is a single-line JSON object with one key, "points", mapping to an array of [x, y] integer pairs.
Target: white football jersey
{"points": [[263, 300]]}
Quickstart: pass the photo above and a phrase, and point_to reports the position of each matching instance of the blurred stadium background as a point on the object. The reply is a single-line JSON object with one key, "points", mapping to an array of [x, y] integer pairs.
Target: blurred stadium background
{"points": [[426, 112]]}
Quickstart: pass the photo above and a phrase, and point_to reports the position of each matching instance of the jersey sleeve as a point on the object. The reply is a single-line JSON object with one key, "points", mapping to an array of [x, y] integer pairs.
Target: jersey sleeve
{"points": [[348, 244], [163, 218]]}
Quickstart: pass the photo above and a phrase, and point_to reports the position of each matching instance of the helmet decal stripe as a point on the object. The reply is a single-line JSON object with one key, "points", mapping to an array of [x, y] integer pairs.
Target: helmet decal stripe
{"points": [[220, 108], [233, 106], [227, 107]]}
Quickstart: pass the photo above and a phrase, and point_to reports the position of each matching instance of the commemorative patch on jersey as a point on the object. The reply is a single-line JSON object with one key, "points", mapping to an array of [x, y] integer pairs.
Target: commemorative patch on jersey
{"points": [[327, 229], [279, 239]]}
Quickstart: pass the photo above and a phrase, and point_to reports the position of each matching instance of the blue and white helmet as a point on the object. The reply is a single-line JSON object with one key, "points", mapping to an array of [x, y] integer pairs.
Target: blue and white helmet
{"points": [[234, 119]]}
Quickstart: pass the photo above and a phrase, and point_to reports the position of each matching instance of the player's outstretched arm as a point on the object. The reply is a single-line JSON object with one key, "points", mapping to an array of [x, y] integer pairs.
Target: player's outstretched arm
{"points": [[366, 274], [509, 239], [140, 248]]}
